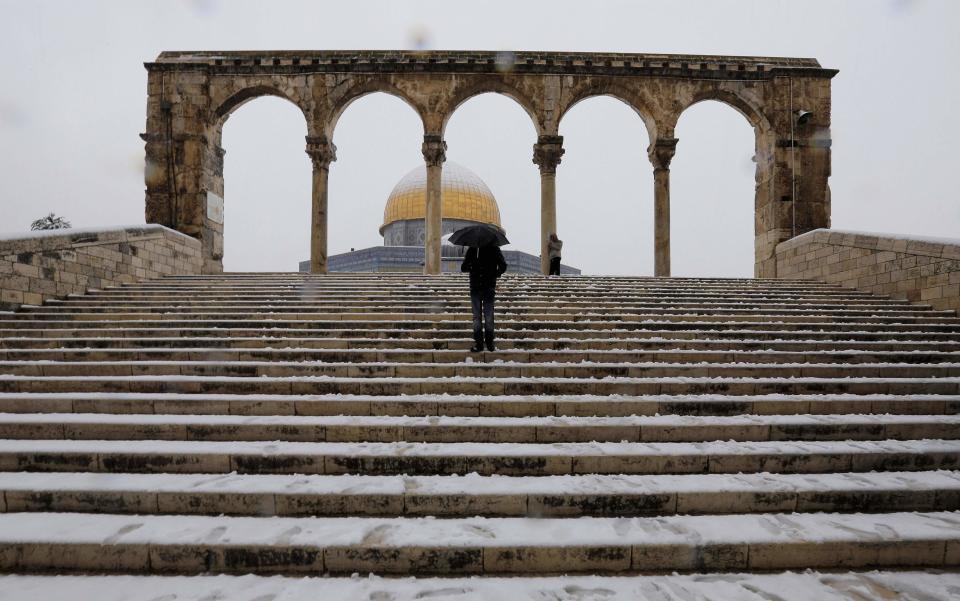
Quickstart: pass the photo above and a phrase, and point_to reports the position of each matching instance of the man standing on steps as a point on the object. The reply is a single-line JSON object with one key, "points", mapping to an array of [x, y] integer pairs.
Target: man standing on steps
{"points": [[485, 264], [553, 251]]}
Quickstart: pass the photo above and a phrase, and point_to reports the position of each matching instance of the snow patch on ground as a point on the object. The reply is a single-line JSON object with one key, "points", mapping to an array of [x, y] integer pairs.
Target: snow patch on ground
{"points": [[787, 586]]}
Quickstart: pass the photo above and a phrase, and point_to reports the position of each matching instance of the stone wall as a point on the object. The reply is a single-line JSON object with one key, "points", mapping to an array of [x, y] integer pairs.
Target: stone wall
{"points": [[917, 269], [43, 265]]}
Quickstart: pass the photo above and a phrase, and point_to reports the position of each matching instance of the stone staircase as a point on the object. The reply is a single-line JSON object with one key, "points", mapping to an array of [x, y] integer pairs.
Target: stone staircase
{"points": [[283, 423]]}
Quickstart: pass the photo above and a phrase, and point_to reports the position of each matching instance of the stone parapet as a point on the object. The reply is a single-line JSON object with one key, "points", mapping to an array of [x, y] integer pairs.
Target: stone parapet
{"points": [[44, 265], [914, 268], [467, 61]]}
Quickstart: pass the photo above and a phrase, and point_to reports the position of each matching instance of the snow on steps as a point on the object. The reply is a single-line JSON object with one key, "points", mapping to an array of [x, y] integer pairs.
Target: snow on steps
{"points": [[436, 405], [531, 429], [472, 494], [788, 586], [526, 459], [726, 434], [489, 386], [70, 542]]}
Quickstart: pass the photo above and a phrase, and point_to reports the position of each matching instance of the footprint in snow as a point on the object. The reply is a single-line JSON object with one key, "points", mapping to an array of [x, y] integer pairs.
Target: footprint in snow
{"points": [[215, 534], [442, 592], [480, 530], [579, 593], [119, 533]]}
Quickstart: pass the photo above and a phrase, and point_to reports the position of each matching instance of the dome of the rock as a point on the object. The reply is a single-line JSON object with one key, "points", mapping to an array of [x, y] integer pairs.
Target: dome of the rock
{"points": [[466, 199]]}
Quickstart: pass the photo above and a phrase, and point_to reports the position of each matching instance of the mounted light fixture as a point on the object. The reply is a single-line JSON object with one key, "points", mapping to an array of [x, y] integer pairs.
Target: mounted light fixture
{"points": [[803, 116]]}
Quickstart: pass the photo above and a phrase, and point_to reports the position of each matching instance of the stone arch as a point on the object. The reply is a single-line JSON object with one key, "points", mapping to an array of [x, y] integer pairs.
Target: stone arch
{"points": [[764, 174], [213, 158], [752, 113], [364, 88], [613, 90], [461, 96], [245, 95]]}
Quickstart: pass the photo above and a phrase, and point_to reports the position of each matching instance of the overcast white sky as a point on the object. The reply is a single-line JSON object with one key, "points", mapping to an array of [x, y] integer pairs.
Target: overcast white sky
{"points": [[73, 93]]}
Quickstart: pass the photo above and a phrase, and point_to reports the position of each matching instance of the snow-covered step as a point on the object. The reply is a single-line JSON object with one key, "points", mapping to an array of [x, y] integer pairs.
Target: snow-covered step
{"points": [[487, 386], [71, 542], [507, 338], [476, 405], [385, 428], [477, 369], [800, 586], [564, 320], [529, 347], [447, 356], [507, 310], [471, 495], [267, 304], [518, 459]]}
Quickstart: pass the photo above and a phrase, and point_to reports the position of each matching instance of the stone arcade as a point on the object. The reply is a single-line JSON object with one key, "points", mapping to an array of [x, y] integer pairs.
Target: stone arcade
{"points": [[191, 94]]}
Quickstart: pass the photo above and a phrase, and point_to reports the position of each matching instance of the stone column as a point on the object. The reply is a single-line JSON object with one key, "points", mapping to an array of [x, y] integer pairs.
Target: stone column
{"points": [[434, 154], [322, 152], [661, 153], [546, 154]]}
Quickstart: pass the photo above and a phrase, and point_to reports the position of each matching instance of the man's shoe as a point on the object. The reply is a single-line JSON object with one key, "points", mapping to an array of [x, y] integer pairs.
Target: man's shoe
{"points": [[490, 346], [476, 348]]}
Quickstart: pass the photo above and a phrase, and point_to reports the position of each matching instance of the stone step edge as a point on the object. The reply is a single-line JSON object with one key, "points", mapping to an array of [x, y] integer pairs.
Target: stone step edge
{"points": [[96, 426], [504, 368], [342, 345], [475, 405], [472, 495], [430, 356], [71, 542], [516, 459], [505, 317], [491, 386]]}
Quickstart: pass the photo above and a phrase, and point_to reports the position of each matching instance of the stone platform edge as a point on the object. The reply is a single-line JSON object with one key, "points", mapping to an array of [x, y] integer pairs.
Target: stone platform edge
{"points": [[915, 268], [38, 266]]}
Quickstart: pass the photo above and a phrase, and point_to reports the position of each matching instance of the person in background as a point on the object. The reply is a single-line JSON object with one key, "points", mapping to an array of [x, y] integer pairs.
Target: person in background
{"points": [[553, 251], [485, 265]]}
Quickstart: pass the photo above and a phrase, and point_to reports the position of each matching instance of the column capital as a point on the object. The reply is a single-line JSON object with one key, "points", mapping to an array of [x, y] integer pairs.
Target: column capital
{"points": [[661, 153], [547, 152], [434, 150], [321, 151]]}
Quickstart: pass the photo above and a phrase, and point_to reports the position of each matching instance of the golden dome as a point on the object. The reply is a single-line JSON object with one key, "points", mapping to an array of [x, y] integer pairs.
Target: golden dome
{"points": [[464, 196]]}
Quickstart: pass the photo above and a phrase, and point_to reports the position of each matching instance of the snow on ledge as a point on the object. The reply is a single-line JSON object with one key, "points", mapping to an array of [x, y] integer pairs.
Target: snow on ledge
{"points": [[835, 237], [106, 235]]}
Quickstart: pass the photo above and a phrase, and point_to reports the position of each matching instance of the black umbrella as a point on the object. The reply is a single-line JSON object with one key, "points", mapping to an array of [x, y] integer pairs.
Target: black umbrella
{"points": [[479, 235]]}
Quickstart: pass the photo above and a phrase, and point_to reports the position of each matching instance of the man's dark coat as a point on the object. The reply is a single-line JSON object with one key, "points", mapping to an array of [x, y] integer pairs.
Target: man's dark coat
{"points": [[484, 265]]}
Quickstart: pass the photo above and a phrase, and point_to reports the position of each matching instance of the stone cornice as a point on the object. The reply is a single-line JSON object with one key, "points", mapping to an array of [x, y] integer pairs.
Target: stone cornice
{"points": [[443, 61]]}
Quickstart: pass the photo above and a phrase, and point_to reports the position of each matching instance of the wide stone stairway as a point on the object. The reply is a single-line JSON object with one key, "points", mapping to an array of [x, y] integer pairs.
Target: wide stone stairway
{"points": [[309, 425]]}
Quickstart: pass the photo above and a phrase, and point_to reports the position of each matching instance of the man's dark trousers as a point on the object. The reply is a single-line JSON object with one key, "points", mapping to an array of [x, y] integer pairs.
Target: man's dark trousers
{"points": [[555, 266], [481, 301]]}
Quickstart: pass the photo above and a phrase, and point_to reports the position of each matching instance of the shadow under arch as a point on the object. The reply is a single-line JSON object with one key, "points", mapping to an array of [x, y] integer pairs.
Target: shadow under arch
{"points": [[465, 94], [617, 93], [715, 192], [366, 88]]}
